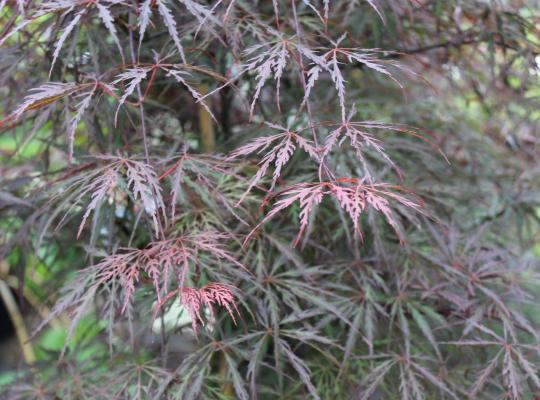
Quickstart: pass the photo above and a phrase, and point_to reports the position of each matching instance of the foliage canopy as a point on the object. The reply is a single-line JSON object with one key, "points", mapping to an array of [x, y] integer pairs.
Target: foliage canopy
{"points": [[272, 199]]}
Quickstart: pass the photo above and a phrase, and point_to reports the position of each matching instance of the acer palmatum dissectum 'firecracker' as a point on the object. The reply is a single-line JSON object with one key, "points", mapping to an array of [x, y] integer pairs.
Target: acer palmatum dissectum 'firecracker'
{"points": [[165, 263], [351, 195], [105, 105], [193, 299]]}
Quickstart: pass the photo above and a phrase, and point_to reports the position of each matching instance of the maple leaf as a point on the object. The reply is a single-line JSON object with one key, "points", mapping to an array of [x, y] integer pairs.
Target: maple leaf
{"points": [[352, 195], [283, 146]]}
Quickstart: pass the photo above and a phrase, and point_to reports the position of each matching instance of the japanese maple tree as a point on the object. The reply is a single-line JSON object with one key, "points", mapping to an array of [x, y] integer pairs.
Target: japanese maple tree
{"points": [[273, 199]]}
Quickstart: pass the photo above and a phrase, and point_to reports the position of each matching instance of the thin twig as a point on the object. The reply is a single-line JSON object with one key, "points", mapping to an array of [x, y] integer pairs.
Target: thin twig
{"points": [[18, 323]]}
